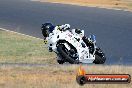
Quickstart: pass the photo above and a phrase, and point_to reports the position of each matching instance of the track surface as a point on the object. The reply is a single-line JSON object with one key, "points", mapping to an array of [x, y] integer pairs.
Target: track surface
{"points": [[113, 29]]}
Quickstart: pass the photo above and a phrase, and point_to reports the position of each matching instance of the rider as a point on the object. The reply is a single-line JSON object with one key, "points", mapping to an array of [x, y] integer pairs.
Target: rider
{"points": [[48, 28]]}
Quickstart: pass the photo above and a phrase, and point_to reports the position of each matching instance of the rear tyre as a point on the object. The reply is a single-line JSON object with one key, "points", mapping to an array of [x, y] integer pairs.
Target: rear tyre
{"points": [[99, 57]]}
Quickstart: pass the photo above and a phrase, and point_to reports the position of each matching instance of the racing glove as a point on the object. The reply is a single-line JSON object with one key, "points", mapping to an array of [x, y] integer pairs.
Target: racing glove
{"points": [[64, 27], [78, 31]]}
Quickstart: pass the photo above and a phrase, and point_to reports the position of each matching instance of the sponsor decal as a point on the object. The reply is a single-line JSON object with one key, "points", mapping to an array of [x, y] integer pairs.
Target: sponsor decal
{"points": [[69, 35]]}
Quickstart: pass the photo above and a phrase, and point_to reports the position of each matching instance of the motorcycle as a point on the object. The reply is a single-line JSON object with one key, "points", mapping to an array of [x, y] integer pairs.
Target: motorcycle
{"points": [[73, 48]]}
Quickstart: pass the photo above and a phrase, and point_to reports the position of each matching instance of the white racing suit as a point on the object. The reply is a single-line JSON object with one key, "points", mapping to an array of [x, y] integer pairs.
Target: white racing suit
{"points": [[87, 41], [74, 31], [90, 42]]}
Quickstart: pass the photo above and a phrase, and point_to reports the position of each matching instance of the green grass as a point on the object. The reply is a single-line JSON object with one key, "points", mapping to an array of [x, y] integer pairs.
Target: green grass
{"points": [[16, 48]]}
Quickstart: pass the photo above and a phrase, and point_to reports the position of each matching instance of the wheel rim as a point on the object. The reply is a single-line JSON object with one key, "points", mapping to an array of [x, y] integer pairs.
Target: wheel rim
{"points": [[69, 53]]}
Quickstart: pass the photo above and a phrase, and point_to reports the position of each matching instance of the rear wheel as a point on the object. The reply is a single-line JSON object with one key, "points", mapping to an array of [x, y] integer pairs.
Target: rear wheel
{"points": [[99, 57], [65, 54]]}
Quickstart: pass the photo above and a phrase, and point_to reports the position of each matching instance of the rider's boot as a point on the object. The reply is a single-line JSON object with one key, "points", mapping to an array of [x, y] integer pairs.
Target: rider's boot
{"points": [[88, 43]]}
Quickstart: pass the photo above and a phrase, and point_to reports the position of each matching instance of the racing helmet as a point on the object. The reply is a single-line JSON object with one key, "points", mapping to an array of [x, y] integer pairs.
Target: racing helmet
{"points": [[47, 28]]}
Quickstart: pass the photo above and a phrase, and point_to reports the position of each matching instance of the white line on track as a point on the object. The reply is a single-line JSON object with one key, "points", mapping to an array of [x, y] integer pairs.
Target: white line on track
{"points": [[20, 33]]}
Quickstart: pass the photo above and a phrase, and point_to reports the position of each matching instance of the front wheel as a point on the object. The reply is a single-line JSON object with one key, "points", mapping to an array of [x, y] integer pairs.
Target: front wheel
{"points": [[99, 57], [65, 55], [60, 61]]}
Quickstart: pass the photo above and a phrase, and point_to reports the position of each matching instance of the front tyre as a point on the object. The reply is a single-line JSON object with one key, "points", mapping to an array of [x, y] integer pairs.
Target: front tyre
{"points": [[60, 61], [99, 57], [64, 54]]}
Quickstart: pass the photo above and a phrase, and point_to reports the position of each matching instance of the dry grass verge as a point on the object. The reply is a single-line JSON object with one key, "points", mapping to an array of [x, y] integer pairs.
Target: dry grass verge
{"points": [[119, 4], [56, 76], [16, 48]]}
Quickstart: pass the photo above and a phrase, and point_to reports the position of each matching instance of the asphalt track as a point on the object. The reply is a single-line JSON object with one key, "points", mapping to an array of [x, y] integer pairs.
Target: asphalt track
{"points": [[112, 28]]}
